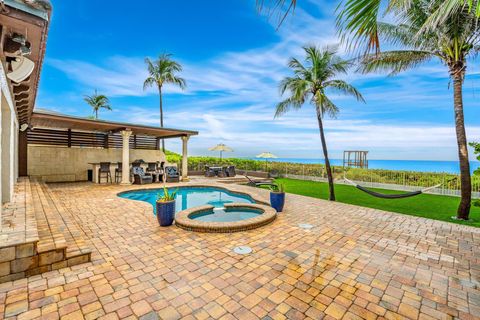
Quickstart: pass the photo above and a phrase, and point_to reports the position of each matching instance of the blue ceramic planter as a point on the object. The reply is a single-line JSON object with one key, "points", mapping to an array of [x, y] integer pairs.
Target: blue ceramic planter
{"points": [[165, 213], [277, 200]]}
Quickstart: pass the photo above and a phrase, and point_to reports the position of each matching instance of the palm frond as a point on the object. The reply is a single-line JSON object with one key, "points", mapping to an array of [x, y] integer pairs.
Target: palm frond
{"points": [[393, 62], [149, 82], [330, 108], [397, 34], [344, 88], [443, 12], [284, 106], [357, 23], [312, 77], [150, 66], [98, 101], [281, 8], [163, 70]]}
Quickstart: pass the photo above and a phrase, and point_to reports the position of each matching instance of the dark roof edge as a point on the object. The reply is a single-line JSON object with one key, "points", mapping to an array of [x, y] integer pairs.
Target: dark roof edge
{"points": [[120, 124]]}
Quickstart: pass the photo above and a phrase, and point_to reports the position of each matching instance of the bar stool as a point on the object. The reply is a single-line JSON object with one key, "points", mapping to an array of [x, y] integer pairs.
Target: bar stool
{"points": [[104, 169], [118, 172]]}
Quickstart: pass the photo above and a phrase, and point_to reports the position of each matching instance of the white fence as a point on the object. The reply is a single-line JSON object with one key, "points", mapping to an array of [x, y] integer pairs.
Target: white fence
{"points": [[394, 180], [372, 178]]}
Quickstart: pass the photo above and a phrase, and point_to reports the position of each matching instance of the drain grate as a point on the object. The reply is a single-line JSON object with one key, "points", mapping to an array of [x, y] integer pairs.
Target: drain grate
{"points": [[242, 250], [306, 226]]}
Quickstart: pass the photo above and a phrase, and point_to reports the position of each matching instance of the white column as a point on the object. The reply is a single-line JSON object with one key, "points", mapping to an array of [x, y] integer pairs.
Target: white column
{"points": [[185, 158], [126, 156]]}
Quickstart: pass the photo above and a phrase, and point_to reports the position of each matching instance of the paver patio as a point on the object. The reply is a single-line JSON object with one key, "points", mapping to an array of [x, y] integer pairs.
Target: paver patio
{"points": [[356, 263]]}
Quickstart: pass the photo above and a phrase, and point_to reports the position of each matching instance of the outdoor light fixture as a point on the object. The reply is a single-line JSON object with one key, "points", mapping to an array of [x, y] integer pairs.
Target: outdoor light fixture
{"points": [[24, 127]]}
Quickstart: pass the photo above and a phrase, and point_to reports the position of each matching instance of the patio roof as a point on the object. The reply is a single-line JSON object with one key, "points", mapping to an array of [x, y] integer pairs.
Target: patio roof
{"points": [[42, 119]]}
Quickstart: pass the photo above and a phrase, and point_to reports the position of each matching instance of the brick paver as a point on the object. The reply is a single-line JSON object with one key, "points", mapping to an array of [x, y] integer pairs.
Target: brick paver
{"points": [[356, 263]]}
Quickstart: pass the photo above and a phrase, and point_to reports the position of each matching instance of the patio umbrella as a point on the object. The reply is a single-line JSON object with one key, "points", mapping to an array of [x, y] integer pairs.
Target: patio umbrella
{"points": [[266, 156], [222, 148]]}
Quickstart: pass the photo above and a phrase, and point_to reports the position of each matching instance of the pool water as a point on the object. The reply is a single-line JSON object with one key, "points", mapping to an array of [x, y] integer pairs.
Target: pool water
{"points": [[189, 197], [221, 215]]}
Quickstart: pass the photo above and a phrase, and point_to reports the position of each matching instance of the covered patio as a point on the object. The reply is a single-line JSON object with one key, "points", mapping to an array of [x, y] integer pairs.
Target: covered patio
{"points": [[59, 148]]}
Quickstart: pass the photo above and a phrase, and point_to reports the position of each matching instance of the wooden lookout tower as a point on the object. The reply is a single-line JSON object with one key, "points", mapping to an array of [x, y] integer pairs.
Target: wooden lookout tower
{"points": [[355, 159]]}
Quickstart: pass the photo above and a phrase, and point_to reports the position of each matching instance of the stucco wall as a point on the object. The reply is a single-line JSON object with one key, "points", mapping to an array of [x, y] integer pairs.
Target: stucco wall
{"points": [[58, 164]]}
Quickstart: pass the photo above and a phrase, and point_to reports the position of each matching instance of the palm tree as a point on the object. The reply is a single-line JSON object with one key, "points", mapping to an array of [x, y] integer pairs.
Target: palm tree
{"points": [[310, 82], [160, 72], [97, 102], [421, 38]]}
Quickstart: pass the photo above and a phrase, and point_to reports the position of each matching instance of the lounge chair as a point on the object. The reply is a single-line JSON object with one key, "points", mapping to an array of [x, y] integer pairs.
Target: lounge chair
{"points": [[139, 176], [259, 183], [222, 173], [231, 171], [209, 172], [171, 174]]}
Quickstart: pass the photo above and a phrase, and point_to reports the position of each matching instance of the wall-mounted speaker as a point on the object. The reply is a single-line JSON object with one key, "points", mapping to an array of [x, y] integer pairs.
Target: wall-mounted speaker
{"points": [[22, 68]]}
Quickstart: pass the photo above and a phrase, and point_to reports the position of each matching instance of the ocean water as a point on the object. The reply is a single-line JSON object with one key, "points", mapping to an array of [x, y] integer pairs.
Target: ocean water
{"points": [[409, 165]]}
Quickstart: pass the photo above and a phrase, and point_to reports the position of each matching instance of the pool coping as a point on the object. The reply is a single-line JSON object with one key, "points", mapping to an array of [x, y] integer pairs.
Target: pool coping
{"points": [[183, 220]]}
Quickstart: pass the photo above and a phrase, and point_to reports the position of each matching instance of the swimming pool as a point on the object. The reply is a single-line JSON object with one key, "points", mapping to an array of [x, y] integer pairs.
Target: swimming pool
{"points": [[189, 197]]}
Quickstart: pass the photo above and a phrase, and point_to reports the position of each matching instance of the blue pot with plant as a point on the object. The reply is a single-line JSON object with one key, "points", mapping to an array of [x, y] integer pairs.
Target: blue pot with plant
{"points": [[166, 207], [277, 197]]}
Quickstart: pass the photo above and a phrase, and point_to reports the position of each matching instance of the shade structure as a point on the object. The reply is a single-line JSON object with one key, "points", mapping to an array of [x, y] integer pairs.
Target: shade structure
{"points": [[221, 148], [266, 156]]}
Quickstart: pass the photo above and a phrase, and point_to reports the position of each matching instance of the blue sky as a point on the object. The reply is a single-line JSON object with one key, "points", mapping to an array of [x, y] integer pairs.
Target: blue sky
{"points": [[233, 59]]}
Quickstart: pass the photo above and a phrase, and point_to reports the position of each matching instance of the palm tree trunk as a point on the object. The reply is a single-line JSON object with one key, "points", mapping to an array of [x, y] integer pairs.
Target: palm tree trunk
{"points": [[325, 154], [465, 179], [161, 115], [96, 114]]}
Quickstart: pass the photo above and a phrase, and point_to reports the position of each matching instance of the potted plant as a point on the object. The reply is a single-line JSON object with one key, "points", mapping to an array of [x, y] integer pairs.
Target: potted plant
{"points": [[277, 197], [166, 207]]}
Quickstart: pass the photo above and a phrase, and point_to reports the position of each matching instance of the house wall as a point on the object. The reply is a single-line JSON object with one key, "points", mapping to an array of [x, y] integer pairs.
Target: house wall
{"points": [[8, 136], [60, 164]]}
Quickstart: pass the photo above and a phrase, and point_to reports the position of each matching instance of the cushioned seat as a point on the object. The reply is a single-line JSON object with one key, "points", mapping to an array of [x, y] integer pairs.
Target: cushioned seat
{"points": [[171, 174], [139, 176]]}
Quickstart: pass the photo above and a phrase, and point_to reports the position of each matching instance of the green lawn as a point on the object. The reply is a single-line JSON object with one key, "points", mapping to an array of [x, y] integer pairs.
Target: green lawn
{"points": [[425, 205]]}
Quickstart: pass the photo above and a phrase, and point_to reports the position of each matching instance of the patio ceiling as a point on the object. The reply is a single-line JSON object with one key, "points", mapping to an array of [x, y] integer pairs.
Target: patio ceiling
{"points": [[59, 121]]}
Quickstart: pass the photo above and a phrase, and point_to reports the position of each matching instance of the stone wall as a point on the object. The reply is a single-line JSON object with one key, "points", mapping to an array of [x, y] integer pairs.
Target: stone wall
{"points": [[60, 164]]}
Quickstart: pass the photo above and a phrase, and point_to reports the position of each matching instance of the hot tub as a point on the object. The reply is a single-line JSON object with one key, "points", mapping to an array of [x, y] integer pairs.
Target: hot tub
{"points": [[233, 217]]}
